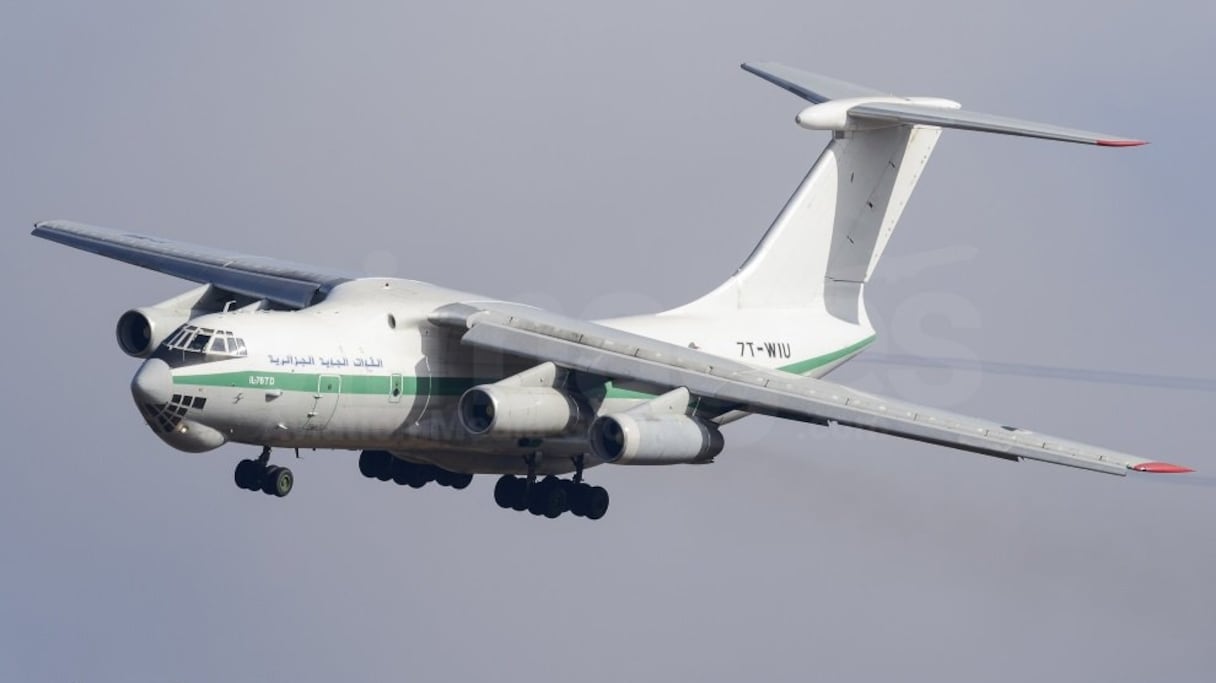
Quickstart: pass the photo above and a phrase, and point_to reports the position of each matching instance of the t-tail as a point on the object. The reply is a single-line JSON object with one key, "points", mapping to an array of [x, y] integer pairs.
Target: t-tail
{"points": [[816, 258]]}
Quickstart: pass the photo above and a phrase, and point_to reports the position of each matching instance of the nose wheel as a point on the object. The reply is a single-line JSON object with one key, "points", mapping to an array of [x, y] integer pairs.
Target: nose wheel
{"points": [[260, 475]]}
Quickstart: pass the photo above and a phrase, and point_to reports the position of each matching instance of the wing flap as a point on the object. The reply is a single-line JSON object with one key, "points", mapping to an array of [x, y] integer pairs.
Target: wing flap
{"points": [[289, 284]]}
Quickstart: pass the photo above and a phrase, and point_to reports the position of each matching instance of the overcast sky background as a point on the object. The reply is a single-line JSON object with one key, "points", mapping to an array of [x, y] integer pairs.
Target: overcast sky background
{"points": [[603, 159]]}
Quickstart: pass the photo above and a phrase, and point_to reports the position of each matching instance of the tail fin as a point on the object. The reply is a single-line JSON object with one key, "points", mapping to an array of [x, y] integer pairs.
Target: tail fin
{"points": [[825, 243]]}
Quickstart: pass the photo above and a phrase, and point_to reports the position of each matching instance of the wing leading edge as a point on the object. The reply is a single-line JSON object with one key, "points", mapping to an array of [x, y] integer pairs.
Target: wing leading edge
{"points": [[603, 351], [288, 284]]}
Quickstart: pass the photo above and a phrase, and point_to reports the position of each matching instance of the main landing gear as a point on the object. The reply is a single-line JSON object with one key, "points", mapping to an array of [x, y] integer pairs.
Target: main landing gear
{"points": [[383, 466], [551, 496], [260, 475]]}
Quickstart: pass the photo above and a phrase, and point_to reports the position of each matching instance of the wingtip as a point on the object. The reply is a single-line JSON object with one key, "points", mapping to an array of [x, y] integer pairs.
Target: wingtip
{"points": [[1121, 142], [1161, 468]]}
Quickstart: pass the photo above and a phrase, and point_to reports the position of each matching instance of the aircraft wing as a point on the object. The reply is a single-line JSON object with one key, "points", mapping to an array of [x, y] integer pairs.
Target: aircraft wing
{"points": [[289, 284], [723, 384]]}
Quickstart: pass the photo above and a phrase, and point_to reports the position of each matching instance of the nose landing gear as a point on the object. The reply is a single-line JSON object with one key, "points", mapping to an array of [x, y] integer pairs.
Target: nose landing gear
{"points": [[260, 475]]}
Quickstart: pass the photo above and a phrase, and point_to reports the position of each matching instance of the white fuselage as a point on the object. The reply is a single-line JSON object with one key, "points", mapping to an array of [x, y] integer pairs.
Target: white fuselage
{"points": [[365, 369]]}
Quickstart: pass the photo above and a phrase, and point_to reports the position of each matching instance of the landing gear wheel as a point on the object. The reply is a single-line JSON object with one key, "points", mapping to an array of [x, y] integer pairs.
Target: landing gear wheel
{"points": [[596, 502], [401, 472], [577, 495], [376, 465], [519, 499], [459, 480], [277, 481], [442, 476], [248, 475], [505, 491], [385, 470], [548, 499], [418, 475]]}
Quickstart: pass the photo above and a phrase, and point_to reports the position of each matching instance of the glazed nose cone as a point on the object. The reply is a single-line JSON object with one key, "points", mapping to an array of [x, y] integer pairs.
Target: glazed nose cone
{"points": [[153, 383]]}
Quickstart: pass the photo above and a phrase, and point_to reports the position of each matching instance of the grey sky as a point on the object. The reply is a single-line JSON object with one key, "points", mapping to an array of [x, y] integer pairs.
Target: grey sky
{"points": [[601, 159]]}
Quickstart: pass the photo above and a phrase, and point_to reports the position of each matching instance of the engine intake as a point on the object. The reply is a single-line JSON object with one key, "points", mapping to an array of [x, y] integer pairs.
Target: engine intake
{"points": [[140, 330], [645, 439], [496, 410]]}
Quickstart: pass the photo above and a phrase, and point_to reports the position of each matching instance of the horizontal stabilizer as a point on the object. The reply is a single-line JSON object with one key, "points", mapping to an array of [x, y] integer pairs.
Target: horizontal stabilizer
{"points": [[811, 87], [838, 105], [923, 115]]}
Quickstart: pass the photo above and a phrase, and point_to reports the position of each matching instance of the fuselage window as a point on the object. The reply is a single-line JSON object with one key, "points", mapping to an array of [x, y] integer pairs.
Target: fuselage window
{"points": [[236, 346], [219, 345]]}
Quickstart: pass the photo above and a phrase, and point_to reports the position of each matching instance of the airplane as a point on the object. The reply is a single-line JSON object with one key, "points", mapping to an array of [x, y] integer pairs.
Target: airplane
{"points": [[431, 384]]}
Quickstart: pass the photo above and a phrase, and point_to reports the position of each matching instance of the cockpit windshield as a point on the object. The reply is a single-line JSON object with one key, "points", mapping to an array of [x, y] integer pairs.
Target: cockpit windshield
{"points": [[191, 345]]}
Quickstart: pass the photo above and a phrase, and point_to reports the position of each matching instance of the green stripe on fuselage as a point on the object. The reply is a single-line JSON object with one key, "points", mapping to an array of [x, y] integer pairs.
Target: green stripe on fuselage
{"points": [[804, 366], [351, 384], [430, 386]]}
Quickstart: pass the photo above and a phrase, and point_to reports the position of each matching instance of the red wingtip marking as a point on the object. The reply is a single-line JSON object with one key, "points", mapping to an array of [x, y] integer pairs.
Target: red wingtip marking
{"points": [[1161, 468], [1122, 143]]}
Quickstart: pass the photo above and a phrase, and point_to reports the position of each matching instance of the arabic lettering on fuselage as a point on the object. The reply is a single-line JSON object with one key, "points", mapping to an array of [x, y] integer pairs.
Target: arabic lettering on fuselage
{"points": [[292, 360]]}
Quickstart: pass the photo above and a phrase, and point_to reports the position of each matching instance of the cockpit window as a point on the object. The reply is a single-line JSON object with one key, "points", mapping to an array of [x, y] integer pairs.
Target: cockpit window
{"points": [[199, 342], [192, 345]]}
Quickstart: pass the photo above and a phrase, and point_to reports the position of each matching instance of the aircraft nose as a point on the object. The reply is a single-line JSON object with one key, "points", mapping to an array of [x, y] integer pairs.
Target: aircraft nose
{"points": [[153, 383]]}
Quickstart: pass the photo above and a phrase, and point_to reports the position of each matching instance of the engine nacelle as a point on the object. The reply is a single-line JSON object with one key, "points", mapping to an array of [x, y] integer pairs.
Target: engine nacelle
{"points": [[497, 410], [141, 330], [644, 439]]}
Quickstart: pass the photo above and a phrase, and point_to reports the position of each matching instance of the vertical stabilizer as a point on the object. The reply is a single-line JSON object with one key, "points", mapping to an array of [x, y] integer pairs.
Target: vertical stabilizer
{"points": [[824, 245]]}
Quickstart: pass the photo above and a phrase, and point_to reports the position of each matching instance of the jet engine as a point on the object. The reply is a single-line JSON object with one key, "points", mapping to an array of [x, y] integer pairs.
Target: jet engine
{"points": [[141, 330], [631, 438], [497, 410]]}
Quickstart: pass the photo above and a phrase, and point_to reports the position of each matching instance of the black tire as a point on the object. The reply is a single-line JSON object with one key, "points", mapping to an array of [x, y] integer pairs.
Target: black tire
{"points": [[505, 491], [385, 471], [442, 476], [460, 480], [548, 499], [597, 502], [576, 495], [366, 467], [376, 465], [419, 475], [268, 475], [402, 472], [522, 494], [278, 482], [245, 475]]}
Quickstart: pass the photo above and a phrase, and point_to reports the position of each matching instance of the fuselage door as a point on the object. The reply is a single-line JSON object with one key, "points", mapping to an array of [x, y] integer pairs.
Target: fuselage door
{"points": [[325, 401]]}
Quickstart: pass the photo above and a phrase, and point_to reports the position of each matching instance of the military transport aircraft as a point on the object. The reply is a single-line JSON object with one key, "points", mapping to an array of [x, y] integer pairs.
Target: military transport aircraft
{"points": [[436, 385]]}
